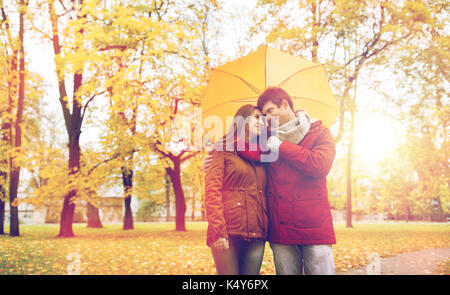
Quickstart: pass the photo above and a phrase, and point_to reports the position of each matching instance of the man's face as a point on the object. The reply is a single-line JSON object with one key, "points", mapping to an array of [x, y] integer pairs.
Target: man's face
{"points": [[271, 110]]}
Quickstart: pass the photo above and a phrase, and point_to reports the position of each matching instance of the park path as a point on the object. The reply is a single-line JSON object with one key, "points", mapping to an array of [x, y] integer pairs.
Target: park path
{"points": [[423, 262]]}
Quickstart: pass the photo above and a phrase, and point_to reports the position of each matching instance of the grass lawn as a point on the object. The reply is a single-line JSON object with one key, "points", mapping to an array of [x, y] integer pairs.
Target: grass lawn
{"points": [[155, 248]]}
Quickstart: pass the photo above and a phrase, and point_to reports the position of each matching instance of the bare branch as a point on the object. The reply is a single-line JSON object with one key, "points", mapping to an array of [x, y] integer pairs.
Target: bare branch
{"points": [[67, 11], [189, 156], [115, 156], [167, 155], [181, 154], [110, 47], [87, 103], [43, 33]]}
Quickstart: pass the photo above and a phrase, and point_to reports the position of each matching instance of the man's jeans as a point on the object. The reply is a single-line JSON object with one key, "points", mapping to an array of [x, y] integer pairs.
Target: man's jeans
{"points": [[292, 259], [242, 258]]}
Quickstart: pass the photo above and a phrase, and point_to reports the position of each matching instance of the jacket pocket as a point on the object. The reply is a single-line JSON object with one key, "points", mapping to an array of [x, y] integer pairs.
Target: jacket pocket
{"points": [[233, 212], [309, 213]]}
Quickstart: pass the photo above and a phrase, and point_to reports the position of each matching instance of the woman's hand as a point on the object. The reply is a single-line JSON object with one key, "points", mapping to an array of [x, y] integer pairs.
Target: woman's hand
{"points": [[221, 244]]}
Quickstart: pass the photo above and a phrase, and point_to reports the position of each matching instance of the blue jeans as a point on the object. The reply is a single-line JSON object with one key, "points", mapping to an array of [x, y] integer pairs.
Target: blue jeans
{"points": [[293, 259], [242, 258]]}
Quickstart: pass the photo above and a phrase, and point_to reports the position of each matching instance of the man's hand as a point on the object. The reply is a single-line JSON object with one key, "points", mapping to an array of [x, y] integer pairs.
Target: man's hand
{"points": [[221, 244], [207, 162]]}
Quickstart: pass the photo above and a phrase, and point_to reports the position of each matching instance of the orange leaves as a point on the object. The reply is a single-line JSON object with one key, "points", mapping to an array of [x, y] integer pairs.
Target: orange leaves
{"points": [[15, 203], [155, 248]]}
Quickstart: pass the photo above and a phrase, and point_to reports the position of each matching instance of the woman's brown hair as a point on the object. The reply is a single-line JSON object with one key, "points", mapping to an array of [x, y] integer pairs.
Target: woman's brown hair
{"points": [[238, 127], [276, 95]]}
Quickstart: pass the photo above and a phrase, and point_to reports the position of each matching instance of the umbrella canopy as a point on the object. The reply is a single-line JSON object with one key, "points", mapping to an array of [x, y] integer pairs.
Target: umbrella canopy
{"points": [[242, 81]]}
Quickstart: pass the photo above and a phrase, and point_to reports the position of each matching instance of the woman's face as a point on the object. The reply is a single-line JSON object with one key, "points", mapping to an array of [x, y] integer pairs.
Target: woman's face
{"points": [[255, 123]]}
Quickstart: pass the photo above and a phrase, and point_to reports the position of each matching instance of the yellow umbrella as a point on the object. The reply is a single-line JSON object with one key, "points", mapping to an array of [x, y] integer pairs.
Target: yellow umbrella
{"points": [[242, 81]]}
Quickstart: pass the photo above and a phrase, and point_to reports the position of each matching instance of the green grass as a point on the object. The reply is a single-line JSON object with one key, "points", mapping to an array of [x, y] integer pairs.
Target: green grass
{"points": [[155, 248]]}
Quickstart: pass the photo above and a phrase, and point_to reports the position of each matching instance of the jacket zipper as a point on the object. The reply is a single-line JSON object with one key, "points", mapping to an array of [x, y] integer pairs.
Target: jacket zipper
{"points": [[246, 208], [258, 191]]}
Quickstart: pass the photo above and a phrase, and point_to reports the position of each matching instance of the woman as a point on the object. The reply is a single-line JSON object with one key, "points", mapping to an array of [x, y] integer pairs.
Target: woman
{"points": [[235, 197]]}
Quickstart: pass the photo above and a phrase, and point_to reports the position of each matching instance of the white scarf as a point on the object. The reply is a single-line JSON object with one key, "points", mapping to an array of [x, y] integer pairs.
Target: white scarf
{"points": [[295, 130]]}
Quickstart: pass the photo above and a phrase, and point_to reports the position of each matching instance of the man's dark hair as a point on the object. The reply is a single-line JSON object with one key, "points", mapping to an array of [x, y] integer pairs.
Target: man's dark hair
{"points": [[276, 96]]}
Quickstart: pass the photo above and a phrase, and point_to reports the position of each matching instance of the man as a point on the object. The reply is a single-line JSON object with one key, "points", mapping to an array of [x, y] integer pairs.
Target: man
{"points": [[301, 227]]}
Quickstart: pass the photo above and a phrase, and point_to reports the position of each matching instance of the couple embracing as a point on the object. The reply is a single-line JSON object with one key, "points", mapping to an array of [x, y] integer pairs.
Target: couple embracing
{"points": [[284, 201]]}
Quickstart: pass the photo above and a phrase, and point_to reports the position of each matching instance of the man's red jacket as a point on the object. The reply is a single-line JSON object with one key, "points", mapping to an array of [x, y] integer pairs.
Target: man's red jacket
{"points": [[299, 211]]}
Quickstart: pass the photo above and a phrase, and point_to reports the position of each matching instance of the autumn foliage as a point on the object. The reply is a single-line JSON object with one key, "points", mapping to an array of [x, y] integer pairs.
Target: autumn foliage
{"points": [[122, 89], [157, 249]]}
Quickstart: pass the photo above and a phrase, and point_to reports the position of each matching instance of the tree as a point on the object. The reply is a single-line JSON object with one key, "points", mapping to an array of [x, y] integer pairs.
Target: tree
{"points": [[72, 58], [184, 77], [5, 118], [174, 158], [141, 56], [421, 72], [72, 120], [4, 129], [16, 76]]}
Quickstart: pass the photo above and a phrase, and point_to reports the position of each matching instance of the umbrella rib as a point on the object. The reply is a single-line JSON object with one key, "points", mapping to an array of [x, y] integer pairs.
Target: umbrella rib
{"points": [[233, 100], [285, 80], [315, 100], [245, 82]]}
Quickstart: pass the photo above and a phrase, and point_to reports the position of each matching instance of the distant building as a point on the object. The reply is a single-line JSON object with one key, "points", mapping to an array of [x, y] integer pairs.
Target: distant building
{"points": [[110, 211]]}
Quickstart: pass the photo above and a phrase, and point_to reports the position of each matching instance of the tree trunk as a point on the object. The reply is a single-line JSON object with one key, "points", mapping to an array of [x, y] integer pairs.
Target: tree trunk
{"points": [[3, 180], [65, 224], [167, 197], [73, 123], [13, 210], [127, 177], [93, 217], [2, 213], [180, 201], [7, 122], [180, 206], [3, 176], [15, 169], [66, 221], [74, 161]]}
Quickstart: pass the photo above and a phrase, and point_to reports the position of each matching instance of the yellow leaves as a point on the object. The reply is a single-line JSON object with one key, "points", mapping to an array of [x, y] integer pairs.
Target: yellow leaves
{"points": [[393, 28], [154, 248]]}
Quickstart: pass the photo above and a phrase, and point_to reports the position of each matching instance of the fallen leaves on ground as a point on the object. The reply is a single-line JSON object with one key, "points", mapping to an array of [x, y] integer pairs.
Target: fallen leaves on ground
{"points": [[155, 248], [444, 267]]}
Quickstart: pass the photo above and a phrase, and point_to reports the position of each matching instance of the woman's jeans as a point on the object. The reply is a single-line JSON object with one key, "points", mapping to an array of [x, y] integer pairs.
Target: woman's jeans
{"points": [[293, 259], [242, 258]]}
